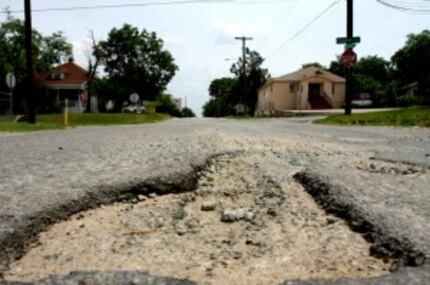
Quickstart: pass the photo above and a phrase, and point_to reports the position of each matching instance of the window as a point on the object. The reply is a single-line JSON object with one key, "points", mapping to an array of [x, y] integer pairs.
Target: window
{"points": [[57, 76], [292, 87], [333, 88]]}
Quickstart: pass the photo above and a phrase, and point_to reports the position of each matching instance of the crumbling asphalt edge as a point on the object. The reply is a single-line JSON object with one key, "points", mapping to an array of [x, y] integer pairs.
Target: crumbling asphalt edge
{"points": [[411, 264], [16, 243]]}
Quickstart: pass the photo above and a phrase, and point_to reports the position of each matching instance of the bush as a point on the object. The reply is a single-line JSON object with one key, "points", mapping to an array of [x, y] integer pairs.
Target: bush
{"points": [[166, 106], [187, 113], [218, 107]]}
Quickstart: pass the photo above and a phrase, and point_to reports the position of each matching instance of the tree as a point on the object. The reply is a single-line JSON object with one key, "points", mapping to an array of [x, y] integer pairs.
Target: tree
{"points": [[336, 67], [94, 58], [255, 76], [372, 74], [166, 105], [411, 64], [223, 87], [47, 50], [224, 93], [187, 113], [53, 49], [137, 61], [218, 107]]}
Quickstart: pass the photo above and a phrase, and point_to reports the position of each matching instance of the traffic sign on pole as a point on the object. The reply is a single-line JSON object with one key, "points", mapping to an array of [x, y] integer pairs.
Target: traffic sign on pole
{"points": [[10, 80], [353, 40], [11, 83], [134, 98], [348, 58]]}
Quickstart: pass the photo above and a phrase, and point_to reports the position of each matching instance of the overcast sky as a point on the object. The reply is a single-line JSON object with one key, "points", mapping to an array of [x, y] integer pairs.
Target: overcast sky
{"points": [[201, 36]]}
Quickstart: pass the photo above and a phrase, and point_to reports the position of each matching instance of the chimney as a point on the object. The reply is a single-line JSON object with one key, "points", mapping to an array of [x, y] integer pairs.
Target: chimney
{"points": [[71, 59]]}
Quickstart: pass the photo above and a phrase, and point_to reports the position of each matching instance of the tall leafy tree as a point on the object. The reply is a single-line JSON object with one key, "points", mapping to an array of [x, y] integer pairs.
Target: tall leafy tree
{"points": [[411, 64], [137, 61], [373, 75], [252, 79], [224, 97], [218, 107], [412, 61], [222, 87], [336, 68], [47, 50]]}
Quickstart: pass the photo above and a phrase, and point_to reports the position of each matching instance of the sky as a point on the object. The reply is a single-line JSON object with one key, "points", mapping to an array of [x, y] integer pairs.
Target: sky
{"points": [[201, 36]]}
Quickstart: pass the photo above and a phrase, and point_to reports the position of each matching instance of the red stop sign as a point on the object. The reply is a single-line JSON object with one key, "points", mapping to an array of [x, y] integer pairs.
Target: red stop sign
{"points": [[349, 58]]}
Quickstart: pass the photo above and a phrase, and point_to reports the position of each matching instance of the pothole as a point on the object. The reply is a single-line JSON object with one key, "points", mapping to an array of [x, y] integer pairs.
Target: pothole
{"points": [[238, 227]]}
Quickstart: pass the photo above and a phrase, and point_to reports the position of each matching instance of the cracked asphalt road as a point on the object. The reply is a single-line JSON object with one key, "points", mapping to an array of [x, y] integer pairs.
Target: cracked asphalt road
{"points": [[383, 173]]}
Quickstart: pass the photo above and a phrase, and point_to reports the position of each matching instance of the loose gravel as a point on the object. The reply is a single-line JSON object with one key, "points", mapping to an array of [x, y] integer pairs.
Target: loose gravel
{"points": [[272, 225]]}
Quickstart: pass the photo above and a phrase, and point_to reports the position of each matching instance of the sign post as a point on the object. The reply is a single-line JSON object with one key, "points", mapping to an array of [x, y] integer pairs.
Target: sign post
{"points": [[66, 112], [134, 98], [11, 83], [349, 57]]}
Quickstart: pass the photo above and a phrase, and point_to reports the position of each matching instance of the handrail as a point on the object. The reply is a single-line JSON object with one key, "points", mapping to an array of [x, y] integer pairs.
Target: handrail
{"points": [[328, 98]]}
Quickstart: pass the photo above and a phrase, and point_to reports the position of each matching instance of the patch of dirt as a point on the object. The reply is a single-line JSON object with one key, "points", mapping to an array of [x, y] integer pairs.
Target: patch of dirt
{"points": [[381, 167], [275, 231]]}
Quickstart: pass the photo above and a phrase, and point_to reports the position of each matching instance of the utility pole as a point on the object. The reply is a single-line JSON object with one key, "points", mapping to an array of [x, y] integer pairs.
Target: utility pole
{"points": [[29, 64], [243, 39], [349, 35]]}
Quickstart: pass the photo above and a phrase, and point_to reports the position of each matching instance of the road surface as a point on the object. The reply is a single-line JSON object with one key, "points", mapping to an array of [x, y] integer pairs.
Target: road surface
{"points": [[376, 178]]}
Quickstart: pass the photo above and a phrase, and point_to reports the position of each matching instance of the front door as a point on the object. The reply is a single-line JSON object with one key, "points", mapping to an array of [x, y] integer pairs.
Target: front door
{"points": [[314, 92]]}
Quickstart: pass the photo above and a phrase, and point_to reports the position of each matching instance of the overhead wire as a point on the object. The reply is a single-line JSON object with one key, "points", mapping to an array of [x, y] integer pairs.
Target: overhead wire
{"points": [[145, 4], [417, 7], [302, 30], [278, 23]]}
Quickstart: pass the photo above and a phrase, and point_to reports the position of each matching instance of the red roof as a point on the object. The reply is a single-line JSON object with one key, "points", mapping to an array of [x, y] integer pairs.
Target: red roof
{"points": [[72, 74]]}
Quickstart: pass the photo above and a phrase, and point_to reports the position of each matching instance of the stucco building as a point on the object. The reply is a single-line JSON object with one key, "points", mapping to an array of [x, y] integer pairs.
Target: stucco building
{"points": [[307, 89]]}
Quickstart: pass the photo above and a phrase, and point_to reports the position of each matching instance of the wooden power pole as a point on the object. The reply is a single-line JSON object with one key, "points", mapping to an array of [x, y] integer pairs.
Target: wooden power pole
{"points": [[244, 40], [30, 97], [350, 36]]}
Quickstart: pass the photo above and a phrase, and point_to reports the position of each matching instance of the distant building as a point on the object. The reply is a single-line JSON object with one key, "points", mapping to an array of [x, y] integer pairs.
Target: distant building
{"points": [[306, 89], [67, 81], [178, 103]]}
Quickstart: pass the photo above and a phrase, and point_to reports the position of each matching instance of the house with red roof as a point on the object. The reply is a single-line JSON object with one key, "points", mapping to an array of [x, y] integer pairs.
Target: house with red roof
{"points": [[66, 81]]}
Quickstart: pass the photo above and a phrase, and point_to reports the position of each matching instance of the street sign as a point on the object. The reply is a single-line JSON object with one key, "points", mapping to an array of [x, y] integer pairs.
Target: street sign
{"points": [[354, 40], [134, 98], [350, 46], [348, 58], [10, 80]]}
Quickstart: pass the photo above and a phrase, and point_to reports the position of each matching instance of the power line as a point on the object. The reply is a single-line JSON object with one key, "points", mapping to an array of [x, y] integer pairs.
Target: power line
{"points": [[283, 17], [402, 6], [131, 5], [296, 35], [128, 5]]}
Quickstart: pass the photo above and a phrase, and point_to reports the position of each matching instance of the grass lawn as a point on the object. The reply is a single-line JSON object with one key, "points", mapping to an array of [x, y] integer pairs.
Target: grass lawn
{"points": [[56, 121], [401, 118]]}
